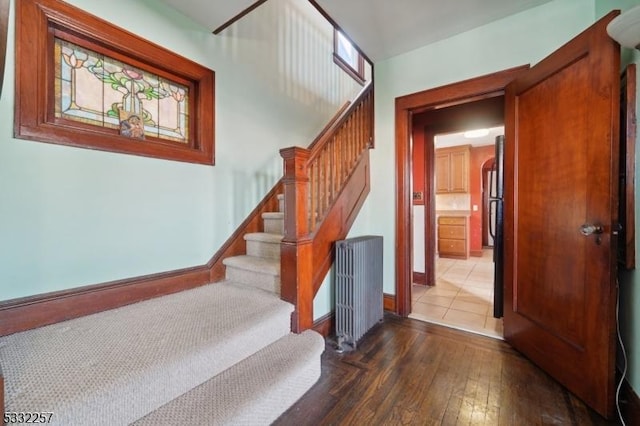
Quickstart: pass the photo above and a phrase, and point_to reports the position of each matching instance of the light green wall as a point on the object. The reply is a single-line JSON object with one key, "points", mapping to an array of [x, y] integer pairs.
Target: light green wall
{"points": [[73, 217]]}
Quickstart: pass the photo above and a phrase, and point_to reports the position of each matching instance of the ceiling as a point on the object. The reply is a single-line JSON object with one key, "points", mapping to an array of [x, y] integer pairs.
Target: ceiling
{"points": [[381, 28], [210, 13], [455, 139]]}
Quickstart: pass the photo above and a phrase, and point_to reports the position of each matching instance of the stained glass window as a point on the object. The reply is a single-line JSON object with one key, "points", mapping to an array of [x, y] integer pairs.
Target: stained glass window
{"points": [[83, 82], [95, 89]]}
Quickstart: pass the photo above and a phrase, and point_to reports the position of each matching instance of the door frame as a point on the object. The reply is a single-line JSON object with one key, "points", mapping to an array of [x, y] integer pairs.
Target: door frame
{"points": [[475, 89]]}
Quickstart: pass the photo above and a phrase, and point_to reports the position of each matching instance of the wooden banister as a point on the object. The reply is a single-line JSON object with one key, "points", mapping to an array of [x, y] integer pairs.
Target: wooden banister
{"points": [[314, 181]]}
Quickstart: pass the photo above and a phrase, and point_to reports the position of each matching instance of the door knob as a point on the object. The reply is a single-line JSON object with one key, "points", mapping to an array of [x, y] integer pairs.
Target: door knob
{"points": [[588, 229]]}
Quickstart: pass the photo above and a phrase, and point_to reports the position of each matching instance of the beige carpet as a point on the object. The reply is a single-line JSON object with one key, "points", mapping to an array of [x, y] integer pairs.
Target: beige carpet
{"points": [[118, 366]]}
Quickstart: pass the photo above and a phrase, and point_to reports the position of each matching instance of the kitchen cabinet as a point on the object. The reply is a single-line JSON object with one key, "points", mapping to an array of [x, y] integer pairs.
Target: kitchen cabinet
{"points": [[452, 170], [452, 237]]}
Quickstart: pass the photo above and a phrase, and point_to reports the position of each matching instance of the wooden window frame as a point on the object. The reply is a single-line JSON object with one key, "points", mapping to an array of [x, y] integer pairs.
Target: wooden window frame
{"points": [[356, 74], [4, 27], [38, 21]]}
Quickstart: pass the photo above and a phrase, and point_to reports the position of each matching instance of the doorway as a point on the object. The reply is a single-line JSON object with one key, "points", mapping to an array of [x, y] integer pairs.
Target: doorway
{"points": [[462, 95], [460, 294]]}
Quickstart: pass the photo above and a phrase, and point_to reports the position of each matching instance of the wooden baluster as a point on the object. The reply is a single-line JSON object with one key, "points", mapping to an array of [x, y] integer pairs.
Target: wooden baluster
{"points": [[296, 248], [352, 143], [363, 117], [361, 128], [332, 166], [320, 185], [365, 126], [336, 162], [343, 151], [325, 182], [370, 121], [354, 131], [313, 196], [347, 150], [336, 166], [358, 122]]}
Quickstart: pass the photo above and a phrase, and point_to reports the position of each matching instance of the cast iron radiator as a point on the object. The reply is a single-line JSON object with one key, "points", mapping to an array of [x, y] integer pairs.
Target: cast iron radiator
{"points": [[358, 269]]}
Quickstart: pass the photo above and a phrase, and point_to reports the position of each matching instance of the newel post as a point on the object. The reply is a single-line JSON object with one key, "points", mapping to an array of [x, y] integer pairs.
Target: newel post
{"points": [[296, 248]]}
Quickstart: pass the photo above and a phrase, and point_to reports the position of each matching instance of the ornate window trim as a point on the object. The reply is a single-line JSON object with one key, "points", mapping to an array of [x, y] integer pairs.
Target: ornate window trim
{"points": [[40, 22]]}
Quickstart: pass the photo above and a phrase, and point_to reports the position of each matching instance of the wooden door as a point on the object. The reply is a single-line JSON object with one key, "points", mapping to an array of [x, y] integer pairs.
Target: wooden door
{"points": [[561, 169]]}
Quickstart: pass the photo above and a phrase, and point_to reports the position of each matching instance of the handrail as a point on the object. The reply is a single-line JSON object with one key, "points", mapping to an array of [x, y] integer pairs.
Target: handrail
{"points": [[334, 156], [336, 122], [330, 125], [313, 181]]}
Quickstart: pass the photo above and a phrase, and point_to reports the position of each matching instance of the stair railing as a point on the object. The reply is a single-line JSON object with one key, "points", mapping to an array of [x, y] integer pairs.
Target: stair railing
{"points": [[313, 180]]}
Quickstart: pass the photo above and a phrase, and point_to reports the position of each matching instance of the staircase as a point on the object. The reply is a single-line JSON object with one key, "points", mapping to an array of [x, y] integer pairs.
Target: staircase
{"points": [[260, 267], [219, 354]]}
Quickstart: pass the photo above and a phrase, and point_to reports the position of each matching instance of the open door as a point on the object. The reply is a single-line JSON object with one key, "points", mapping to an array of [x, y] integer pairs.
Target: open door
{"points": [[561, 200]]}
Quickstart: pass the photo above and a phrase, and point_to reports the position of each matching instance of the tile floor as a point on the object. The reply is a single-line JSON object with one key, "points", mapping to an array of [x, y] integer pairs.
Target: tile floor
{"points": [[462, 297]]}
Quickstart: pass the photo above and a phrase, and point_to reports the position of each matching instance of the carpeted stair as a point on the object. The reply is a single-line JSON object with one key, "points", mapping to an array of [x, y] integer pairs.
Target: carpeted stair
{"points": [[218, 354]]}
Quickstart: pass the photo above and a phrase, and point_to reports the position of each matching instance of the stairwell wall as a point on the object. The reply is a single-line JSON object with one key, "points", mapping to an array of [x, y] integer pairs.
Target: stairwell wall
{"points": [[72, 217]]}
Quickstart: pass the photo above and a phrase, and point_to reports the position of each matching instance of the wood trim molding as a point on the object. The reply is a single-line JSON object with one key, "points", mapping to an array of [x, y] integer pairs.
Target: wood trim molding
{"points": [[478, 88], [235, 244], [4, 28], [389, 302], [419, 278], [238, 16], [628, 131], [36, 311], [326, 324]]}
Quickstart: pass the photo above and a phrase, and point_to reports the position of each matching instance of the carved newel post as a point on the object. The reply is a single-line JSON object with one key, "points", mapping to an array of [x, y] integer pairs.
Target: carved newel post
{"points": [[296, 249]]}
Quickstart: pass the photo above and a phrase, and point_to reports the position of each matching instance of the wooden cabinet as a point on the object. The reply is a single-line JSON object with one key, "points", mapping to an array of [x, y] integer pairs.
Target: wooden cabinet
{"points": [[452, 237], [452, 170]]}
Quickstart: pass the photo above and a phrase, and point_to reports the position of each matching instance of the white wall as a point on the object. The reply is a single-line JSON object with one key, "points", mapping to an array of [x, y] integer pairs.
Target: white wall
{"points": [[71, 217], [418, 239]]}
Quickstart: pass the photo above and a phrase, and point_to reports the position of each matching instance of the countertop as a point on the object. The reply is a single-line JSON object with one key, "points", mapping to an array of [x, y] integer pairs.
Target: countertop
{"points": [[453, 213]]}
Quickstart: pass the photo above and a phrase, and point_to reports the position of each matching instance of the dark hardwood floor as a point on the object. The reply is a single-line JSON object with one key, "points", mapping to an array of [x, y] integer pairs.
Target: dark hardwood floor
{"points": [[406, 372]]}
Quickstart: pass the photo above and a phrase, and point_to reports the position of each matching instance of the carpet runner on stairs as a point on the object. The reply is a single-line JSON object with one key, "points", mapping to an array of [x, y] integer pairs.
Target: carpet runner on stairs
{"points": [[223, 348]]}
